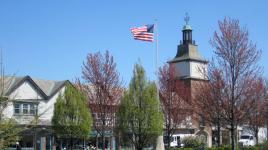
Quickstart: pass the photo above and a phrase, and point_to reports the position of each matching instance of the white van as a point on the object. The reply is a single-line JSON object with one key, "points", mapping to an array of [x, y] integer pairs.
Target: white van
{"points": [[247, 140], [175, 140]]}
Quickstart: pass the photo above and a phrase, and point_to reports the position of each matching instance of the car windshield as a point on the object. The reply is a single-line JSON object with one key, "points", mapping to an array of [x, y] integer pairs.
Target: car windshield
{"points": [[244, 137], [166, 139]]}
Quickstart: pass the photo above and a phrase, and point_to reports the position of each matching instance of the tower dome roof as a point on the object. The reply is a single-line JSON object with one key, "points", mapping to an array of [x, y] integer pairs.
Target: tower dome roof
{"points": [[187, 27], [186, 19]]}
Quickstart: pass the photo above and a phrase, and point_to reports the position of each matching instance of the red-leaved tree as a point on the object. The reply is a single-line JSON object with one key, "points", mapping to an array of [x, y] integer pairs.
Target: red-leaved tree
{"points": [[257, 99], [209, 100], [103, 87], [174, 97], [236, 56]]}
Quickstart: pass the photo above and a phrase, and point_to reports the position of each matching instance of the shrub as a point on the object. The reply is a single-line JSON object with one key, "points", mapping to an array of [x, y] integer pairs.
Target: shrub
{"points": [[250, 148], [180, 149], [263, 146], [225, 147], [228, 147], [216, 148], [195, 143]]}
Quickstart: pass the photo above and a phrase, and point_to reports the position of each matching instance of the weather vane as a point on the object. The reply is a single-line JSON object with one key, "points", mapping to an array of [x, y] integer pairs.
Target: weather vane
{"points": [[186, 18]]}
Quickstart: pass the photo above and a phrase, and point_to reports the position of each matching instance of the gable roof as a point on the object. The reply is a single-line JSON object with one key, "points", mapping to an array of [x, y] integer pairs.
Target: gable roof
{"points": [[47, 88]]}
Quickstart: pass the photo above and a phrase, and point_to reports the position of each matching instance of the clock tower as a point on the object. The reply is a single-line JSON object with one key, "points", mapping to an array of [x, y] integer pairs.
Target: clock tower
{"points": [[188, 64], [190, 67]]}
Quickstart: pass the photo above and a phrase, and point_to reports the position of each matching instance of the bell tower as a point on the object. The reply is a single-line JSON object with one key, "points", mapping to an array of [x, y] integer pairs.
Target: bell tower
{"points": [[188, 63], [190, 67]]}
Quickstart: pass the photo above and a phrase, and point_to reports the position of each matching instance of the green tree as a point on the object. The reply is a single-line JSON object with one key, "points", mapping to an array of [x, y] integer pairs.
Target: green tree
{"points": [[140, 119], [9, 131], [71, 118]]}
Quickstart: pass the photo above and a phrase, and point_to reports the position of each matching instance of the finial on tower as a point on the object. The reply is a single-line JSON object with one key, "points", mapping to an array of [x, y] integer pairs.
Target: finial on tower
{"points": [[186, 18], [187, 31]]}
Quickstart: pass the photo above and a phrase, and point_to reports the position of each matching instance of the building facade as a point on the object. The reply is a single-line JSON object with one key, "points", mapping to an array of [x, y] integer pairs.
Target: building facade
{"points": [[31, 105]]}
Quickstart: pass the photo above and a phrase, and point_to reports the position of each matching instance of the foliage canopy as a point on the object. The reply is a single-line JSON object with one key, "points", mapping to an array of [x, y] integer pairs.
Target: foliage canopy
{"points": [[71, 116], [140, 119]]}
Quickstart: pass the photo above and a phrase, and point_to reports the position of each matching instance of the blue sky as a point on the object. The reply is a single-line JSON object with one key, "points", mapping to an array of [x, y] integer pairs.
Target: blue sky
{"points": [[50, 39]]}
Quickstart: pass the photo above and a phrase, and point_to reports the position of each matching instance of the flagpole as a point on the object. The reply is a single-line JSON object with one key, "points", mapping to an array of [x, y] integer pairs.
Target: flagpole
{"points": [[156, 57], [160, 144]]}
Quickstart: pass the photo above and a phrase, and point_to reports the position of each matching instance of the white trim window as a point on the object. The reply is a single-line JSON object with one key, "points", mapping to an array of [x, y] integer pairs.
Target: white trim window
{"points": [[16, 108], [25, 108], [33, 109]]}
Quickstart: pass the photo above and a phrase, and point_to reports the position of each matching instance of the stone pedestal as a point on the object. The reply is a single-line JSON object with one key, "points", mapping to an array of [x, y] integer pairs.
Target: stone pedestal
{"points": [[43, 143], [160, 143]]}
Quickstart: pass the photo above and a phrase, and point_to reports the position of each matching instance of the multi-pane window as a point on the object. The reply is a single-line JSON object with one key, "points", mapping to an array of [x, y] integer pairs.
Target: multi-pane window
{"points": [[25, 108], [17, 108], [33, 109]]}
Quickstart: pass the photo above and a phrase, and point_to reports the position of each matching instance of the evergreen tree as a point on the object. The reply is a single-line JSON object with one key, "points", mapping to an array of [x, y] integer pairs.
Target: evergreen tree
{"points": [[140, 119], [9, 130], [71, 118]]}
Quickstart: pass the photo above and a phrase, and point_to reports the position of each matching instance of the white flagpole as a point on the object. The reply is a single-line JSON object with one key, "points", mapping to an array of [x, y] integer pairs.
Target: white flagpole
{"points": [[160, 142], [156, 57]]}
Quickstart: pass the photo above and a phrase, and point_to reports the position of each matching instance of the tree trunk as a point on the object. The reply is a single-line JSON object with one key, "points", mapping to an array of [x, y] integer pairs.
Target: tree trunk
{"points": [[35, 139], [97, 142], [103, 141], [232, 136], [72, 143], [219, 135], [256, 136], [168, 136], [111, 142], [232, 112], [119, 141], [139, 148], [267, 122], [169, 119]]}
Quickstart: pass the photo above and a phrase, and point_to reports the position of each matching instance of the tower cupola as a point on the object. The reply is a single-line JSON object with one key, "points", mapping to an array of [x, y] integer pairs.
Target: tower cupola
{"points": [[189, 64], [187, 31]]}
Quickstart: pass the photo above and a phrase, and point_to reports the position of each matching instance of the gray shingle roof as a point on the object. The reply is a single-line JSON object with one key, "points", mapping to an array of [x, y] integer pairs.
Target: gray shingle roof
{"points": [[46, 87], [188, 52], [8, 83]]}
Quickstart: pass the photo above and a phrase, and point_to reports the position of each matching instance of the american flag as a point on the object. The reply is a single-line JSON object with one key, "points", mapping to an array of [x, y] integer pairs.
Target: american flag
{"points": [[144, 33]]}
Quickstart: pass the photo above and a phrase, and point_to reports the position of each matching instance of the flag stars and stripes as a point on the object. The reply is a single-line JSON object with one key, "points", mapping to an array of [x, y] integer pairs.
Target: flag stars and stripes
{"points": [[144, 33]]}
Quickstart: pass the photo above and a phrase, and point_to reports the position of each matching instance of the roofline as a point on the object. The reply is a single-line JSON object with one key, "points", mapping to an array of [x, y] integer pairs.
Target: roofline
{"points": [[62, 85], [193, 78], [188, 59], [28, 78]]}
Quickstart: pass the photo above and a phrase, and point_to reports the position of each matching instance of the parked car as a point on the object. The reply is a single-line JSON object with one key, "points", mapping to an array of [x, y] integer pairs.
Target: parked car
{"points": [[247, 140], [175, 140]]}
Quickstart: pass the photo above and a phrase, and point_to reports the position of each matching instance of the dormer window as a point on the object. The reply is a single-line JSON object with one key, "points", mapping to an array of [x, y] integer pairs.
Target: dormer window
{"points": [[25, 108]]}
